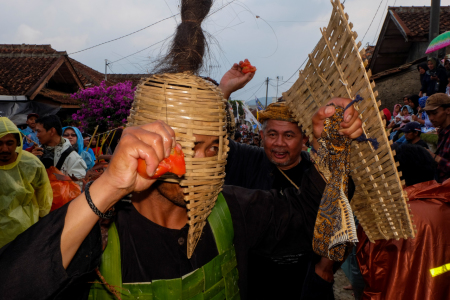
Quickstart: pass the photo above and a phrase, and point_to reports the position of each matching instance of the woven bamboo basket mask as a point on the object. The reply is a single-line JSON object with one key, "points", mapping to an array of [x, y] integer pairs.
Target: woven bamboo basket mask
{"points": [[190, 105]]}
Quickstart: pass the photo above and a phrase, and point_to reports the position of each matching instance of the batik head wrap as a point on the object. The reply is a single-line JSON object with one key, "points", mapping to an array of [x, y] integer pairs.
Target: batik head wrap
{"points": [[276, 111]]}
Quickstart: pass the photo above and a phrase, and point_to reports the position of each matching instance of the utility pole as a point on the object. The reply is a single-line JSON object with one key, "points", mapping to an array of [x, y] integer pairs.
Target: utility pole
{"points": [[267, 90], [278, 77], [434, 19], [106, 71]]}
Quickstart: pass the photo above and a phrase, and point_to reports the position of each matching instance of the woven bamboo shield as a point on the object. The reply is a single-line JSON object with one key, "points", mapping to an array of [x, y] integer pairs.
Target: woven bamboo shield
{"points": [[190, 105], [335, 69]]}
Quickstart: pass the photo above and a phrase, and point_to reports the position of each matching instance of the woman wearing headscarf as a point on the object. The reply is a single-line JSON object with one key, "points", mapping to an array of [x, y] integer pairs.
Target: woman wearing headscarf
{"points": [[438, 77], [75, 138], [396, 111]]}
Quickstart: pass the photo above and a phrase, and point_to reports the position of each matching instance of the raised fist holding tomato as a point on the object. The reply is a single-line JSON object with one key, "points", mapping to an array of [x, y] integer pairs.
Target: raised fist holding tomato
{"points": [[236, 78]]}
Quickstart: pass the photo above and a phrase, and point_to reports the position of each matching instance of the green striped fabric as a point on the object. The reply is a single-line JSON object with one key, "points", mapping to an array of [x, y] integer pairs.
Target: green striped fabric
{"points": [[216, 280]]}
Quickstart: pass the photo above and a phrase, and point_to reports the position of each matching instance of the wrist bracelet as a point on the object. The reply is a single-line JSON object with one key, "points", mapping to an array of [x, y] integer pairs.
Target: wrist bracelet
{"points": [[107, 215]]}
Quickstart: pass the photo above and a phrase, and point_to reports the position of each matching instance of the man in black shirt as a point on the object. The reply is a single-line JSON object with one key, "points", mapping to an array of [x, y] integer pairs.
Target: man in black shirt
{"points": [[279, 165], [412, 134]]}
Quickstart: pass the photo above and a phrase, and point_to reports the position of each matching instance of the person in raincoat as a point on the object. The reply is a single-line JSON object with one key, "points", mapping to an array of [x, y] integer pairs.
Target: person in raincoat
{"points": [[75, 138], [25, 191]]}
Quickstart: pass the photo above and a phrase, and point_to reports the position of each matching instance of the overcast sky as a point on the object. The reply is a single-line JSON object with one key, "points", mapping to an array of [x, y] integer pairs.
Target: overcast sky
{"points": [[276, 43]]}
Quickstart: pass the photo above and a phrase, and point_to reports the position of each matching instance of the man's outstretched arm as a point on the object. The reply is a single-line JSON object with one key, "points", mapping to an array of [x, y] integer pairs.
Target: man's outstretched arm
{"points": [[151, 142]]}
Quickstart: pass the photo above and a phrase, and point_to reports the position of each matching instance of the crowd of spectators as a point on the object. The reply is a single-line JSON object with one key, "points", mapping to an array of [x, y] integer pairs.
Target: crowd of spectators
{"points": [[425, 113], [245, 136]]}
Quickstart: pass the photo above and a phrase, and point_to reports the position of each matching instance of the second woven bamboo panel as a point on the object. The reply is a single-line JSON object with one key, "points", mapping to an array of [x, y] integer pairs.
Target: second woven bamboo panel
{"points": [[335, 69]]}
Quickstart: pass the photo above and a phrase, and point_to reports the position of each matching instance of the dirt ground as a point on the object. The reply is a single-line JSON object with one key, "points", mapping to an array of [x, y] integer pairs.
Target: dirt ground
{"points": [[339, 282]]}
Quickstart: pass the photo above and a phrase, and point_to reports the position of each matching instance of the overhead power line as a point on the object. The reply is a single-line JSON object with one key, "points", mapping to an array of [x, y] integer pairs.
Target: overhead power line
{"points": [[172, 16], [379, 24], [294, 72], [372, 19], [125, 35], [141, 50], [247, 89], [256, 91]]}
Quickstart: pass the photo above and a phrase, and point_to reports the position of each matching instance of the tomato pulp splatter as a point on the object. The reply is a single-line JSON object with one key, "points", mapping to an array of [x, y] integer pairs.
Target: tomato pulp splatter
{"points": [[247, 67], [174, 164]]}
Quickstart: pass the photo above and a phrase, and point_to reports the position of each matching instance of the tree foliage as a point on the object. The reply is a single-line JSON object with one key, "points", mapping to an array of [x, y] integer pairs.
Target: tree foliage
{"points": [[233, 104], [105, 106]]}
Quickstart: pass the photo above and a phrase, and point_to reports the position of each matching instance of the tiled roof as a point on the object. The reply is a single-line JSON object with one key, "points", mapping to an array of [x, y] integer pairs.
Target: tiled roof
{"points": [[415, 21], [368, 54], [88, 75], [25, 68], [18, 75], [3, 91], [28, 49], [134, 78], [57, 96], [398, 69], [92, 77]]}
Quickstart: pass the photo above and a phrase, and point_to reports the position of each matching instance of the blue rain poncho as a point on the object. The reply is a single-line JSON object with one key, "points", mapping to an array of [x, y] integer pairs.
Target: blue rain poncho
{"points": [[79, 147], [25, 191]]}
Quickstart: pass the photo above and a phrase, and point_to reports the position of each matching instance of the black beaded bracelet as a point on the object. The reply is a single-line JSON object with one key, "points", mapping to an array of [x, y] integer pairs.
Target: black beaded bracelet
{"points": [[107, 215]]}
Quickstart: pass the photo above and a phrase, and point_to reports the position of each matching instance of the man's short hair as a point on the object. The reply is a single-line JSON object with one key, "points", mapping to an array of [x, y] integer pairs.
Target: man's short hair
{"points": [[416, 163], [51, 121], [33, 115]]}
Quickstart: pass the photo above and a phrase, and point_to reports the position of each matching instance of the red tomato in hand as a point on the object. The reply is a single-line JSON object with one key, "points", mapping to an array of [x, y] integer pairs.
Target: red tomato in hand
{"points": [[247, 67], [174, 164]]}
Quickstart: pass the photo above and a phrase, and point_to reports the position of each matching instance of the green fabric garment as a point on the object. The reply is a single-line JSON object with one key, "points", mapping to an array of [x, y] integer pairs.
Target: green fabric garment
{"points": [[218, 279], [25, 191]]}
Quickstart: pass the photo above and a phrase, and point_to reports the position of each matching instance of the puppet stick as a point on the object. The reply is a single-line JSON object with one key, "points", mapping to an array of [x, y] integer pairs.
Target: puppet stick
{"points": [[90, 140], [111, 139]]}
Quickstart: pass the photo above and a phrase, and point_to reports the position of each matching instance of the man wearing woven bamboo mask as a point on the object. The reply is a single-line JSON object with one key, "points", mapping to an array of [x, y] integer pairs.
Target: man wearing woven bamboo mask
{"points": [[281, 164], [182, 237]]}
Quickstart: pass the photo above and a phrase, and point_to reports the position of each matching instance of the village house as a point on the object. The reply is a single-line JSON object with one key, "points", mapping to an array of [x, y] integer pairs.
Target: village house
{"points": [[40, 79], [401, 46]]}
